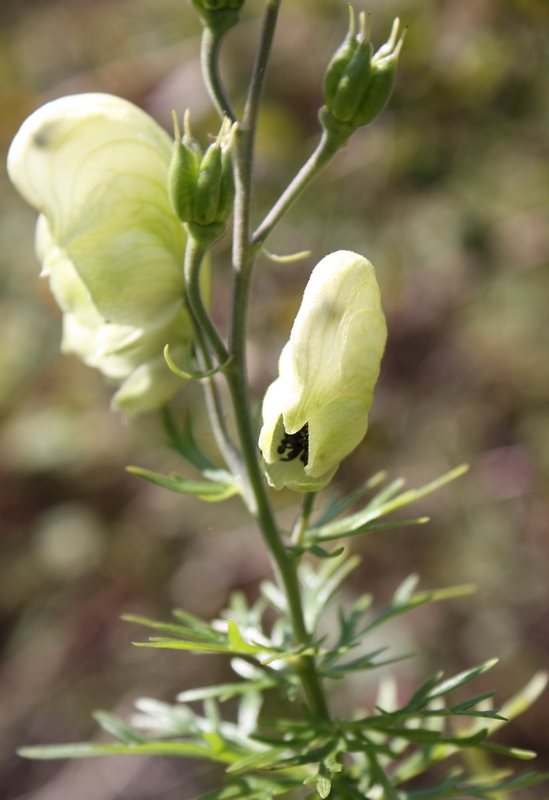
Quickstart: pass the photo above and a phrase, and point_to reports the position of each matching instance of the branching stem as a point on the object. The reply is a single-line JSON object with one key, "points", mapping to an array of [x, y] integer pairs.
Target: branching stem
{"points": [[325, 151]]}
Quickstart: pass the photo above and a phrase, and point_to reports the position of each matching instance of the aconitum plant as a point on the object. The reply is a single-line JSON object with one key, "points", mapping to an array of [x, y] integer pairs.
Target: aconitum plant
{"points": [[127, 219]]}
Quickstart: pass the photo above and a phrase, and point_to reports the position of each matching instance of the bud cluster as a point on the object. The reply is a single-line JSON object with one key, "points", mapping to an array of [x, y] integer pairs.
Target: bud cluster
{"points": [[358, 83], [201, 186]]}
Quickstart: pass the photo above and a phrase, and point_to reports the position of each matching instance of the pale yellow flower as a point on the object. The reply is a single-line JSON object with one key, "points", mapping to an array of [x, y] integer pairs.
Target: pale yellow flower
{"points": [[316, 412], [95, 167]]}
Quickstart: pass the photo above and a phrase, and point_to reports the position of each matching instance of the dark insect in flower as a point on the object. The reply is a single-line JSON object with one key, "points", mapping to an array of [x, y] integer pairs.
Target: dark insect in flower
{"points": [[297, 444]]}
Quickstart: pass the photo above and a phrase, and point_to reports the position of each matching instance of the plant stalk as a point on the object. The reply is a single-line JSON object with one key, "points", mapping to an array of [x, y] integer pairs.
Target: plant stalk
{"points": [[194, 255], [243, 257], [325, 151], [209, 54]]}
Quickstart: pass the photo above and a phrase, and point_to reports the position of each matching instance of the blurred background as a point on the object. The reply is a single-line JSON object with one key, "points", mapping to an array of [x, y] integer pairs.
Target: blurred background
{"points": [[448, 195]]}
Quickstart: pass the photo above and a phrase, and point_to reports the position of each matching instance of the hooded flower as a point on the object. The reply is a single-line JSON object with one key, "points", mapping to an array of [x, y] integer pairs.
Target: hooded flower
{"points": [[95, 167], [316, 412]]}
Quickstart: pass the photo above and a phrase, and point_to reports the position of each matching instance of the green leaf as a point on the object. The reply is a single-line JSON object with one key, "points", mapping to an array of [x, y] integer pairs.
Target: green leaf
{"points": [[184, 444], [314, 756], [358, 664], [335, 506], [237, 643], [389, 791], [403, 602], [417, 700], [164, 719], [322, 584], [224, 691], [519, 782], [381, 505], [111, 724], [176, 644], [320, 552], [207, 490], [202, 628], [274, 596], [205, 633], [521, 701], [89, 750], [512, 752], [262, 760], [248, 712], [252, 788], [321, 782], [459, 680]]}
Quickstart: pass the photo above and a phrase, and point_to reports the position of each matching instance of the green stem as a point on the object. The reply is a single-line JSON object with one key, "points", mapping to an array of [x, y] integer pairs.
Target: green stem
{"points": [[325, 151], [302, 521], [200, 239], [194, 255], [243, 257], [209, 52], [216, 412]]}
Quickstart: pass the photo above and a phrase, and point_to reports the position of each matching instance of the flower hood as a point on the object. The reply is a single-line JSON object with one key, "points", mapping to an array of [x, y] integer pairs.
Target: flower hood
{"points": [[95, 167], [316, 412]]}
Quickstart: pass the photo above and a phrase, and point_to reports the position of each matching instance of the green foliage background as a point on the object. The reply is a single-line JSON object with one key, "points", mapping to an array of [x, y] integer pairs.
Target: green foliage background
{"points": [[448, 195]]}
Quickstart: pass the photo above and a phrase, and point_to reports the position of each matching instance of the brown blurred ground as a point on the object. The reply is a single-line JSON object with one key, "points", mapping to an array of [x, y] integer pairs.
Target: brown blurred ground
{"points": [[448, 195]]}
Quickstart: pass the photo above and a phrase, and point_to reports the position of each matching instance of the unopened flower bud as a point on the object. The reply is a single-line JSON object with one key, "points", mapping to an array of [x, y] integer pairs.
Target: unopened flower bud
{"points": [[382, 79], [218, 15], [358, 84], [183, 172], [214, 190], [348, 71], [316, 412]]}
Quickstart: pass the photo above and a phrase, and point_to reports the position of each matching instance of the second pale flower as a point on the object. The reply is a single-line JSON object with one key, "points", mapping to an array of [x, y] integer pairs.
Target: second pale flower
{"points": [[316, 412]]}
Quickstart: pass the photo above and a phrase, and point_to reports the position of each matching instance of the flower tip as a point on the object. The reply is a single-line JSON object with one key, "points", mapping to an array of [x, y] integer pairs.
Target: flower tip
{"points": [[176, 130], [352, 26], [365, 23]]}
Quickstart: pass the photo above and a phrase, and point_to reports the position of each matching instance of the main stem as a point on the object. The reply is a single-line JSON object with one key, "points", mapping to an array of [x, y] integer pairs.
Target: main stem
{"points": [[243, 257]]}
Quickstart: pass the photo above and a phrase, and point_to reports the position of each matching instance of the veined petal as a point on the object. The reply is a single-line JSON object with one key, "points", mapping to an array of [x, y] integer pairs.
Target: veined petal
{"points": [[316, 413], [71, 146], [96, 167], [337, 338]]}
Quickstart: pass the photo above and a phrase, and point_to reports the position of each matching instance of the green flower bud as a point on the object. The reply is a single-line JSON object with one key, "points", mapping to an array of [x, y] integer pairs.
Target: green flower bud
{"points": [[357, 84], [96, 168], [183, 172], [214, 190], [382, 79], [348, 69], [316, 412], [218, 15]]}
